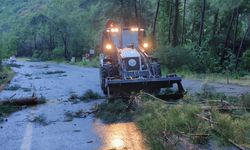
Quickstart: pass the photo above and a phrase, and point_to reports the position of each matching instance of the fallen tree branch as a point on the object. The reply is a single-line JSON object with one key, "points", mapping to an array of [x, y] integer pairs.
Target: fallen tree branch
{"points": [[228, 139], [235, 144], [156, 98]]}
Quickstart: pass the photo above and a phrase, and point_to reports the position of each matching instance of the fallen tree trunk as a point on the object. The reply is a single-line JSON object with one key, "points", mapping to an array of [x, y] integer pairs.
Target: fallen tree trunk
{"points": [[23, 101]]}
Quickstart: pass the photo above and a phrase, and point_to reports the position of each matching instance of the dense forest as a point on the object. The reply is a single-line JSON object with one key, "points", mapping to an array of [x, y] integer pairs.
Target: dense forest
{"points": [[198, 35]]}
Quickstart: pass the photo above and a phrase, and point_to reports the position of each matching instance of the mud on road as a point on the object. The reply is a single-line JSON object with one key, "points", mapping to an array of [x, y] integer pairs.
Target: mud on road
{"points": [[47, 126]]}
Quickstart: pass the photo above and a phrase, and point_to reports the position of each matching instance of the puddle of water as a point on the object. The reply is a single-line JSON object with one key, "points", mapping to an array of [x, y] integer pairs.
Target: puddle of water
{"points": [[119, 136]]}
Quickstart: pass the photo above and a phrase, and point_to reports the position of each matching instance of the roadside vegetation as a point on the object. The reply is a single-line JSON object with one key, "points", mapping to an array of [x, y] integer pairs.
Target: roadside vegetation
{"points": [[197, 121], [204, 39], [6, 74], [88, 96], [240, 78]]}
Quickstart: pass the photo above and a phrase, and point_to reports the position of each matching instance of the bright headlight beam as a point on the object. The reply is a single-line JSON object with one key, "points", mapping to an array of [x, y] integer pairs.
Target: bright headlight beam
{"points": [[118, 143], [145, 45], [108, 46]]}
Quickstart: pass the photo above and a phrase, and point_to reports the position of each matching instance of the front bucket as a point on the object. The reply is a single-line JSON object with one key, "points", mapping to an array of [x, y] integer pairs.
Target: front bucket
{"points": [[123, 87]]}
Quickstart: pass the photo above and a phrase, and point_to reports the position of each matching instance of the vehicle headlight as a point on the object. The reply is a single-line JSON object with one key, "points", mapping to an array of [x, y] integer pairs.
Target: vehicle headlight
{"points": [[109, 46], [145, 45]]}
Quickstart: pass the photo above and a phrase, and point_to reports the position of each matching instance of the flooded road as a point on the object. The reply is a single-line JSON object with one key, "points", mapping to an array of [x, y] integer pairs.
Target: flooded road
{"points": [[121, 136], [50, 126], [46, 126]]}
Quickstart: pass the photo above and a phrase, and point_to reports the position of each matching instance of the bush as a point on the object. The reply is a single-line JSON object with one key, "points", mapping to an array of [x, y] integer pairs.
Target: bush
{"points": [[245, 100], [90, 95], [57, 53], [246, 60], [40, 56], [175, 58], [1, 60]]}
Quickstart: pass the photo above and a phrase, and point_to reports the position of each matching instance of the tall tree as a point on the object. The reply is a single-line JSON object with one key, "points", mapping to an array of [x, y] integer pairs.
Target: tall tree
{"points": [[155, 17], [175, 25], [224, 51], [239, 50], [170, 20], [183, 22], [136, 13], [236, 30], [215, 22], [203, 8]]}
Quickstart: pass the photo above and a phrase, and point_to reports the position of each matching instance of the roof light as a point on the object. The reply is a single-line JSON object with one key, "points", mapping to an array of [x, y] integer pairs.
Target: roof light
{"points": [[114, 30], [134, 29]]}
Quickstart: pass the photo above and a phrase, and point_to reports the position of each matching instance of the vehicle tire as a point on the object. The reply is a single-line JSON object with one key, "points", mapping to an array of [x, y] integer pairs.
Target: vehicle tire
{"points": [[156, 67], [105, 71]]}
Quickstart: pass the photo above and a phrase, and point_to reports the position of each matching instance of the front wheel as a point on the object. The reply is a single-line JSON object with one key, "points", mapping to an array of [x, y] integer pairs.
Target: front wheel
{"points": [[105, 72]]}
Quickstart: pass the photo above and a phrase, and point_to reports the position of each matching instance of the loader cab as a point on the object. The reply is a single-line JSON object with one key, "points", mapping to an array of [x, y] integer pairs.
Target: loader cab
{"points": [[130, 38]]}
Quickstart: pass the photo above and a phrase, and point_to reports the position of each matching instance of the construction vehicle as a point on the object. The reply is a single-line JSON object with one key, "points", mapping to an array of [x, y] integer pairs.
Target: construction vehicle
{"points": [[126, 66]]}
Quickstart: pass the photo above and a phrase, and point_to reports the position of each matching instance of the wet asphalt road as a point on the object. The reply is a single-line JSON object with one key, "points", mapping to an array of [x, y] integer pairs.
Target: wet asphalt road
{"points": [[19, 133]]}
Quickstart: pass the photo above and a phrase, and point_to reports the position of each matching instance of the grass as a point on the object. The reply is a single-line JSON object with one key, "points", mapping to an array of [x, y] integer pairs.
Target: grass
{"points": [[86, 63], [88, 96], [69, 116], [5, 110], [93, 63], [227, 78], [241, 78], [14, 65], [161, 122], [5, 76], [40, 119], [245, 100], [115, 111]]}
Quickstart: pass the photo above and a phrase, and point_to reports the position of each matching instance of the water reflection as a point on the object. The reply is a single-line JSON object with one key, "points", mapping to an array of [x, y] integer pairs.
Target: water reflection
{"points": [[120, 136]]}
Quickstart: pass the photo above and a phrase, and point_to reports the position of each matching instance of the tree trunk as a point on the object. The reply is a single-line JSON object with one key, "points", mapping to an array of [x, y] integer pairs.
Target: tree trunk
{"points": [[34, 38], [183, 22], [203, 7], [175, 25], [215, 22], [224, 52], [136, 13], [239, 50], [65, 43], [170, 21], [122, 12], [236, 30], [193, 25], [155, 18]]}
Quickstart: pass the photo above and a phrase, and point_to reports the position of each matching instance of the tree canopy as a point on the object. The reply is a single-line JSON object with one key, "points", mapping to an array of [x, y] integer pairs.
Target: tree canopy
{"points": [[214, 34]]}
